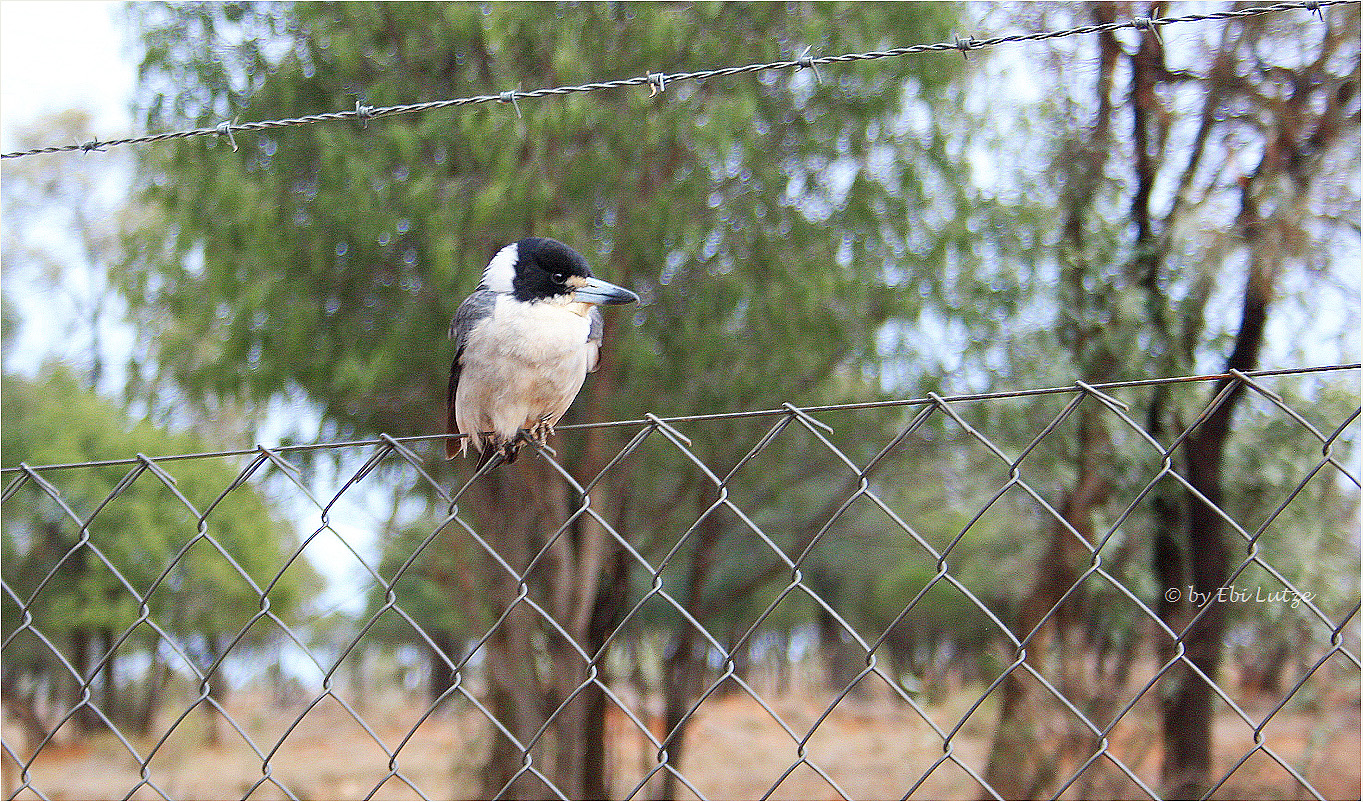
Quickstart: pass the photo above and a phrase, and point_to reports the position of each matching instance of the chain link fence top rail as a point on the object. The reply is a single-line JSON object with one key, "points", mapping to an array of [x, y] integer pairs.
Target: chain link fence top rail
{"points": [[808, 602]]}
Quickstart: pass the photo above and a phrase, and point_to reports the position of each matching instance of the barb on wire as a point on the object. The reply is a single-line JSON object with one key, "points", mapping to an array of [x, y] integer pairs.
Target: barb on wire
{"points": [[224, 129], [658, 79], [363, 113], [509, 96], [1149, 24], [806, 61]]}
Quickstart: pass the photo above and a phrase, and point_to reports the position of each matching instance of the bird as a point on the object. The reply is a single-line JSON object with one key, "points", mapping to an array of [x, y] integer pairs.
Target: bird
{"points": [[524, 342]]}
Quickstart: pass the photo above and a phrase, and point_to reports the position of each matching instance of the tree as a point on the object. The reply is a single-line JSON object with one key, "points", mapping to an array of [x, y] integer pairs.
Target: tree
{"points": [[82, 587], [758, 218], [792, 239], [1260, 85], [63, 326], [1308, 127], [62, 228]]}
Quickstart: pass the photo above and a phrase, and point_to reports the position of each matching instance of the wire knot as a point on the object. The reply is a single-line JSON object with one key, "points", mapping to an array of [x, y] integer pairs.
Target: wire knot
{"points": [[1147, 24], [224, 129], [93, 145], [509, 96], [1315, 8], [363, 113], [965, 46], [806, 61], [656, 83]]}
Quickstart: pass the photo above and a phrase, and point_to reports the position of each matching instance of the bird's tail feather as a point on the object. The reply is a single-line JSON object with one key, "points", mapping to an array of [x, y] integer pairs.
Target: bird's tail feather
{"points": [[452, 444], [495, 455], [506, 451]]}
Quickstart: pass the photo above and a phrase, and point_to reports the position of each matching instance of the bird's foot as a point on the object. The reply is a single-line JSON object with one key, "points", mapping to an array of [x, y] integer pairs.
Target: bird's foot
{"points": [[540, 431]]}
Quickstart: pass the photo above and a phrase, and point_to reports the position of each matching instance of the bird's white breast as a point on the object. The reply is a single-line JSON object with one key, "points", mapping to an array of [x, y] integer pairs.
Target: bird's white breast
{"points": [[524, 362]]}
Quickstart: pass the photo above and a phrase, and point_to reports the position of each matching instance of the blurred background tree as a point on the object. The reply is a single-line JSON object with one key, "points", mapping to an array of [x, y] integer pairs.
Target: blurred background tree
{"points": [[882, 229], [760, 220], [87, 584], [1175, 249], [82, 586]]}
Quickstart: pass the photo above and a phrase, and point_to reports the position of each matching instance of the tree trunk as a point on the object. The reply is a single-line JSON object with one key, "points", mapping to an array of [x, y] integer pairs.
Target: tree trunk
{"points": [[843, 658], [1262, 673], [683, 663], [524, 508], [108, 697], [607, 612], [1017, 769], [217, 690], [22, 706], [158, 674], [440, 677], [1188, 711], [580, 582], [681, 670], [87, 720]]}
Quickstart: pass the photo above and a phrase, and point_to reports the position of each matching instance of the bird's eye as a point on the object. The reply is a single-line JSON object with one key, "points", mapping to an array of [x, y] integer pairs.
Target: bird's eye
{"points": [[559, 278]]}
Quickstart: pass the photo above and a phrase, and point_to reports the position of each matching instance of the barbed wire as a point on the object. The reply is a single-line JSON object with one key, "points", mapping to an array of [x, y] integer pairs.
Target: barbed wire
{"points": [[658, 81], [650, 419]]}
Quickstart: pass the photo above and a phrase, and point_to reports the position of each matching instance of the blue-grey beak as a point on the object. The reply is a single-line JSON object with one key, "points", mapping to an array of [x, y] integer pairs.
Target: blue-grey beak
{"points": [[596, 291]]}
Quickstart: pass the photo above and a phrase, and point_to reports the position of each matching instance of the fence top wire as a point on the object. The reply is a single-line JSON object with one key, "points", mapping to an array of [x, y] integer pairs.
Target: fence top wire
{"points": [[786, 409], [657, 81]]}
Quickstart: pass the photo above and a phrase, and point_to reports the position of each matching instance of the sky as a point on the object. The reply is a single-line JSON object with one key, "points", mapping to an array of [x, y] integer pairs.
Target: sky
{"points": [[57, 56], [60, 55]]}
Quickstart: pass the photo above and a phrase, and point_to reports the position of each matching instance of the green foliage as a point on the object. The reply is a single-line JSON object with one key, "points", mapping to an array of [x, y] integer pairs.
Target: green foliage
{"points": [[792, 241], [90, 578], [446, 569], [764, 220], [752, 214], [1311, 539]]}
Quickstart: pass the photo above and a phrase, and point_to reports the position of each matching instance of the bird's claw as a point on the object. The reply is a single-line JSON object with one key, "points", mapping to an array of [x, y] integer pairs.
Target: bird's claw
{"points": [[540, 431]]}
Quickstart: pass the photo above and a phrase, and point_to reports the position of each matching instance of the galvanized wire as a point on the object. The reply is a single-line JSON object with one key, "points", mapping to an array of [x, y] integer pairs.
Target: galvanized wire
{"points": [[866, 482], [721, 416], [658, 81]]}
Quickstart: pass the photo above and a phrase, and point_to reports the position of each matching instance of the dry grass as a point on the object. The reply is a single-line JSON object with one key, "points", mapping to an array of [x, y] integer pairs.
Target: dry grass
{"points": [[872, 748]]}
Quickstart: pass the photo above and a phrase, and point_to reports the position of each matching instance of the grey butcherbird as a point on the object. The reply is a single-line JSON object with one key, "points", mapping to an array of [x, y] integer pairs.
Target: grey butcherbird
{"points": [[524, 342]]}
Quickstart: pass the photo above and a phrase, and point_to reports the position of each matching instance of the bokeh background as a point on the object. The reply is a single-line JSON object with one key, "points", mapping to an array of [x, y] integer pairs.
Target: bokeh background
{"points": [[1109, 207]]}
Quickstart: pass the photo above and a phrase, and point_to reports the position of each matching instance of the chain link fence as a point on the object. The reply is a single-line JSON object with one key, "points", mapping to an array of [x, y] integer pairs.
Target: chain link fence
{"points": [[944, 597]]}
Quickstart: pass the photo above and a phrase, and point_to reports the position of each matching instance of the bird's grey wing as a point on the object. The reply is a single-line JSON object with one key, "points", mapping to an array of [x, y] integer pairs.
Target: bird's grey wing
{"points": [[594, 334], [474, 308]]}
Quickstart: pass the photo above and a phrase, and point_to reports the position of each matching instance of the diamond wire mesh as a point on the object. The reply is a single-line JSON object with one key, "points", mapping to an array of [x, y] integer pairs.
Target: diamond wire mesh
{"points": [[907, 673]]}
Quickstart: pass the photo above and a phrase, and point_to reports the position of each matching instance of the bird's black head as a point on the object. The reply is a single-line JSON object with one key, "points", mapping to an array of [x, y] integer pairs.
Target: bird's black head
{"points": [[545, 268], [537, 269]]}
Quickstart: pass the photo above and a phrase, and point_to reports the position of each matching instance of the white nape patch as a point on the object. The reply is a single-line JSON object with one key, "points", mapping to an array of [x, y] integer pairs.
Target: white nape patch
{"points": [[498, 274]]}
